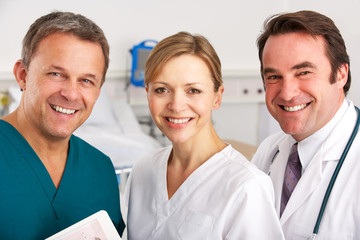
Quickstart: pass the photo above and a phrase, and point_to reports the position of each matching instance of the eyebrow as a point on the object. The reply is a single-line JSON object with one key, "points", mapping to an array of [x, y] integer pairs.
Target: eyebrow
{"points": [[86, 75], [296, 67], [268, 70], [187, 84], [304, 65], [55, 67]]}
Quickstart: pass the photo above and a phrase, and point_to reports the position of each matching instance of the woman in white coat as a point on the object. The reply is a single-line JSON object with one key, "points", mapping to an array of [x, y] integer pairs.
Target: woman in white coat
{"points": [[199, 187]]}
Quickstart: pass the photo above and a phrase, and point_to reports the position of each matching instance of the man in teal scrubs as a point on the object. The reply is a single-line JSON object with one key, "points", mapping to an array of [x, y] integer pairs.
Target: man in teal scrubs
{"points": [[49, 178]]}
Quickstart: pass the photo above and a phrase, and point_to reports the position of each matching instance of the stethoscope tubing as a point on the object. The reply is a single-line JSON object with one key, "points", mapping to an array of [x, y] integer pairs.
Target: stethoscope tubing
{"points": [[335, 174]]}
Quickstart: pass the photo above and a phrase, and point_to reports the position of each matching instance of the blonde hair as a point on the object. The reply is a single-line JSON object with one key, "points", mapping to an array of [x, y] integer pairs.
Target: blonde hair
{"points": [[178, 44]]}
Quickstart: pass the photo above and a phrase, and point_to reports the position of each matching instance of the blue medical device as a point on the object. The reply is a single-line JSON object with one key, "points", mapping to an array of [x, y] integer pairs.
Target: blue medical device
{"points": [[140, 53]]}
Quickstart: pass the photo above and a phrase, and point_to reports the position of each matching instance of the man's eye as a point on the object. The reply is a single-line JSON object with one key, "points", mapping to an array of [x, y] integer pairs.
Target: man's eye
{"points": [[272, 77], [305, 73], [194, 91], [55, 74]]}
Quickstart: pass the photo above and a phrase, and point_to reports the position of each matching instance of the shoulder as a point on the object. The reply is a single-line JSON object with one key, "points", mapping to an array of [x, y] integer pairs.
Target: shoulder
{"points": [[245, 183], [273, 139], [267, 149], [152, 159], [145, 173], [270, 143], [242, 170], [84, 147], [9, 132], [89, 156]]}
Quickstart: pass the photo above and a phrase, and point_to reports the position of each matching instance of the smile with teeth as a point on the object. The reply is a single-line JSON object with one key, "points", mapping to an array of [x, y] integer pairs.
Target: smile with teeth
{"points": [[295, 108], [63, 110], [178, 121]]}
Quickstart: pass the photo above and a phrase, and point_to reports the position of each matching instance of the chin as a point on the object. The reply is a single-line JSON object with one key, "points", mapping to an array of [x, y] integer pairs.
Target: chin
{"points": [[293, 131], [61, 133], [178, 140]]}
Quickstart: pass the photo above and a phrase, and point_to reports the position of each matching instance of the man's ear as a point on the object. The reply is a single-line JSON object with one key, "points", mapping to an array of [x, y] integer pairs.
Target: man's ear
{"points": [[342, 75], [20, 74], [218, 98]]}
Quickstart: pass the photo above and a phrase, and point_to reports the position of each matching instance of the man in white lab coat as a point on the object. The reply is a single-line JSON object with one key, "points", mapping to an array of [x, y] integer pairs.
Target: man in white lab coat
{"points": [[306, 75]]}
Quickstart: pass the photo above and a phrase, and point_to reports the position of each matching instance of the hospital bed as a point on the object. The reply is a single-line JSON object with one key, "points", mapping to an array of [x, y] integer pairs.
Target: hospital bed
{"points": [[114, 129]]}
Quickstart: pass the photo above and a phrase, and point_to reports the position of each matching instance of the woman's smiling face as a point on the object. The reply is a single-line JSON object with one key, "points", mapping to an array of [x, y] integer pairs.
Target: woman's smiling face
{"points": [[181, 98]]}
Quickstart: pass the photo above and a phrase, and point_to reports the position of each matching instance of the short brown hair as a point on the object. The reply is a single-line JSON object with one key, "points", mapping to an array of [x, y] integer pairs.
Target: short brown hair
{"points": [[183, 43], [315, 24], [64, 22]]}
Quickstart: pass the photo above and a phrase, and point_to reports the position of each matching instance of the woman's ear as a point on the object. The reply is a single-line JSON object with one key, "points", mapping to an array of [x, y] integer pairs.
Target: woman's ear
{"points": [[20, 74], [218, 98]]}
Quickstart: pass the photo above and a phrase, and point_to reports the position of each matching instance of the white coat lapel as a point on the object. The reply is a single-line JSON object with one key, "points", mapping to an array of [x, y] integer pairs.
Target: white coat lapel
{"points": [[277, 170]]}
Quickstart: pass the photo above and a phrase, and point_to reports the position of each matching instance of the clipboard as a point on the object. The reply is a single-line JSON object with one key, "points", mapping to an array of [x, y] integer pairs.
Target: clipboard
{"points": [[97, 227]]}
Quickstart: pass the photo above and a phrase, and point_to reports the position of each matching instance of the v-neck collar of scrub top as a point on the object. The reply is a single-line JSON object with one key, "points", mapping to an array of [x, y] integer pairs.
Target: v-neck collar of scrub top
{"points": [[166, 206], [40, 172]]}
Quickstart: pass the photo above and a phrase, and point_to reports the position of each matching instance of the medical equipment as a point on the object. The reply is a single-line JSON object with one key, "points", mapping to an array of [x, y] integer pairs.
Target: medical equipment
{"points": [[139, 54], [4, 102], [334, 176]]}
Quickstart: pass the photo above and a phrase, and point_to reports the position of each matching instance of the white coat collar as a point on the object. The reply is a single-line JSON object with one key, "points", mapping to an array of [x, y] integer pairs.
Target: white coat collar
{"points": [[333, 148]]}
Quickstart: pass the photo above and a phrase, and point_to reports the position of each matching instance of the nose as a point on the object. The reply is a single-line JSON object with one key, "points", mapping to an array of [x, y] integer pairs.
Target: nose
{"points": [[289, 88], [177, 102], [70, 90]]}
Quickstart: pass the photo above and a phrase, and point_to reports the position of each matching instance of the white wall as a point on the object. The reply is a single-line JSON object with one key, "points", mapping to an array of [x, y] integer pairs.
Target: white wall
{"points": [[232, 26]]}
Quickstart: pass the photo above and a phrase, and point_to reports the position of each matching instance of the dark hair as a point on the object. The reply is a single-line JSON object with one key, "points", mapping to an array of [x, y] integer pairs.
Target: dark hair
{"points": [[64, 22], [183, 43], [315, 24]]}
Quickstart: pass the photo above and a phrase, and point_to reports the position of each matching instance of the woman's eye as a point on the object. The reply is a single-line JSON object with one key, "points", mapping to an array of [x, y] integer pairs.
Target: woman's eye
{"points": [[160, 90]]}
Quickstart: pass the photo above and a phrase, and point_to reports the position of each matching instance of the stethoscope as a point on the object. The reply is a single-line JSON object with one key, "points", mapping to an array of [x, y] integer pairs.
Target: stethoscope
{"points": [[334, 176]]}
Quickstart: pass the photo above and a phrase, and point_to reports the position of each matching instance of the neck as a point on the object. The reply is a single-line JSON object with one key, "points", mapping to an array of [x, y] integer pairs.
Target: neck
{"points": [[52, 152], [186, 157], [196, 151]]}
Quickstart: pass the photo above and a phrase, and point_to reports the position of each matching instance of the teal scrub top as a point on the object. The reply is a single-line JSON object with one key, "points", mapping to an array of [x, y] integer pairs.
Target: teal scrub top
{"points": [[31, 207]]}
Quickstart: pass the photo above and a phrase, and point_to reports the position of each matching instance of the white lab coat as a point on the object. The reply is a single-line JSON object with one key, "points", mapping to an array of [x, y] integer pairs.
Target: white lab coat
{"points": [[341, 219], [225, 198]]}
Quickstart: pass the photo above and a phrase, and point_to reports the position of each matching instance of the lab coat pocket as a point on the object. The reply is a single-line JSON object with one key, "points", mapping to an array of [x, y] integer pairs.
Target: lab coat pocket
{"points": [[196, 226], [302, 232]]}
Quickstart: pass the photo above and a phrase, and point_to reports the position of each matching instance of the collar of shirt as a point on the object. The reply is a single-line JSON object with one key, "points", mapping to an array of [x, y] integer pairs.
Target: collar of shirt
{"points": [[310, 145]]}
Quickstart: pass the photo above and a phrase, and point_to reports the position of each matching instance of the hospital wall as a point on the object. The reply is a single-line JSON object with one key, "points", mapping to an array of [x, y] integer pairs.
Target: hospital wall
{"points": [[232, 26]]}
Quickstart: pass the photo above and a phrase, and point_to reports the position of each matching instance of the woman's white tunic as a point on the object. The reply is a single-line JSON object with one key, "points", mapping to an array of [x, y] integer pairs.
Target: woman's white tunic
{"points": [[225, 198]]}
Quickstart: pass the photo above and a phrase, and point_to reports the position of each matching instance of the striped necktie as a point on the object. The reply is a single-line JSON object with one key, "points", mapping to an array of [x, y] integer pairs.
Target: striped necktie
{"points": [[292, 176]]}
